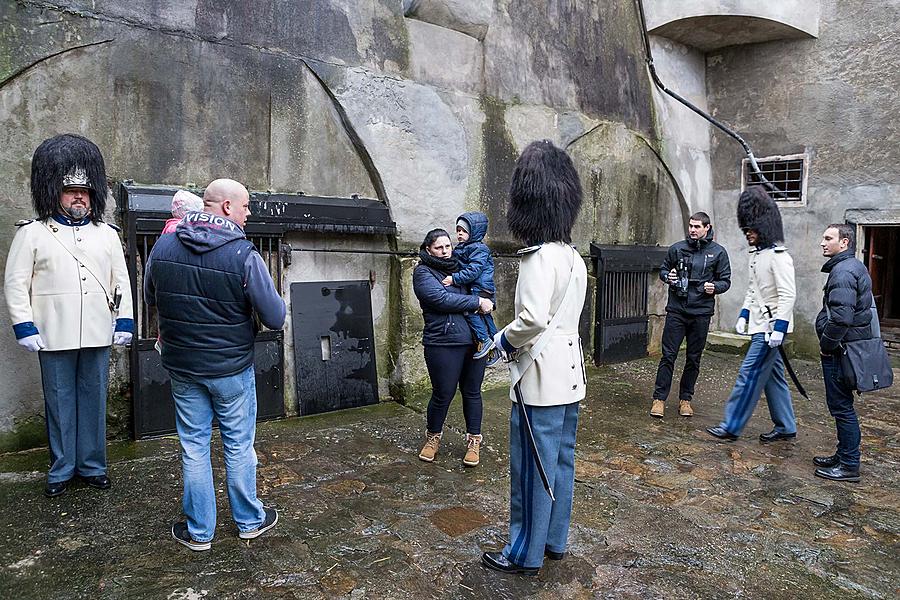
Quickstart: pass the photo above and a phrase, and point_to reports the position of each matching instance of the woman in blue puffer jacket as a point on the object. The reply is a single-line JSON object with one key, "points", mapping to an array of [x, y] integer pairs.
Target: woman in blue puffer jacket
{"points": [[448, 344]]}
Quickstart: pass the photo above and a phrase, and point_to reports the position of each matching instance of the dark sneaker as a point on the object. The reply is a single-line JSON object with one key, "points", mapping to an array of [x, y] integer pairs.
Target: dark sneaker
{"points": [[57, 488], [483, 349], [838, 473], [498, 562], [267, 524], [826, 461], [493, 358], [100, 482], [181, 535]]}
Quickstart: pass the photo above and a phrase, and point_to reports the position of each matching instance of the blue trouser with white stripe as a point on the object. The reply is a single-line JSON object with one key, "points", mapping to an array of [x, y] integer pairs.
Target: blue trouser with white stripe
{"points": [[536, 523], [762, 370]]}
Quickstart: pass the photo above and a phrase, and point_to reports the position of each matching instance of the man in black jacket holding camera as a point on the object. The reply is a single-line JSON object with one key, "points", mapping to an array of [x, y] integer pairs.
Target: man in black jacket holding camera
{"points": [[695, 269], [846, 316]]}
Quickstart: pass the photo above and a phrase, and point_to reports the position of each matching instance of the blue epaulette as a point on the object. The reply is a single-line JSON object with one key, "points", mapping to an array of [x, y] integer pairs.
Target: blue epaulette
{"points": [[24, 222], [116, 227]]}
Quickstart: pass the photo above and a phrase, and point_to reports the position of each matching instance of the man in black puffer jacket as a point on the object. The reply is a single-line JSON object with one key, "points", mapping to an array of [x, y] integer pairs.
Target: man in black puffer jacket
{"points": [[846, 316], [696, 269]]}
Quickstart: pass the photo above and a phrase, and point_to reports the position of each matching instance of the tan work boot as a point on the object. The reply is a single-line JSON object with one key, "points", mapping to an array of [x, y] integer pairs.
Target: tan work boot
{"points": [[658, 407], [429, 450], [684, 408], [473, 449]]}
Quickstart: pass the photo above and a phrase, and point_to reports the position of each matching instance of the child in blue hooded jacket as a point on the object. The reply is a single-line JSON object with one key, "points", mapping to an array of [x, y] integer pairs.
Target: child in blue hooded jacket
{"points": [[476, 270]]}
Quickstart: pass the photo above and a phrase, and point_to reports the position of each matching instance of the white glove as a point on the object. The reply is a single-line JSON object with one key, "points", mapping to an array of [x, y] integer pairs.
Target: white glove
{"points": [[122, 338], [775, 339], [498, 347], [741, 326], [32, 343]]}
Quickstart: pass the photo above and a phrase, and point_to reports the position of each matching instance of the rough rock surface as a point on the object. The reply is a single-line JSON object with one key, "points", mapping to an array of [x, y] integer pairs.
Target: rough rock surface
{"points": [[661, 510]]}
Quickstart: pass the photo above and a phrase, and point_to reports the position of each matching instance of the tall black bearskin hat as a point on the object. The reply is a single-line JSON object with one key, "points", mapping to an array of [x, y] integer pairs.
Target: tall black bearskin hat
{"points": [[62, 161], [544, 196], [759, 212]]}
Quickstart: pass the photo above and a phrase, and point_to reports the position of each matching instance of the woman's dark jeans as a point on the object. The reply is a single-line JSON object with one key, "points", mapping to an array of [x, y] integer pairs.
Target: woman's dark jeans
{"points": [[840, 404], [450, 367]]}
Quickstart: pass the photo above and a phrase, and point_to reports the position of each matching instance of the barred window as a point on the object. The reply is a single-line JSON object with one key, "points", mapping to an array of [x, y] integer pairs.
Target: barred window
{"points": [[787, 173]]}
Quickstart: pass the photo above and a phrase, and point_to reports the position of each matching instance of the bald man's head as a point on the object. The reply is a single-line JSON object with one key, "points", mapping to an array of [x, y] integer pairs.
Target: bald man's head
{"points": [[227, 198]]}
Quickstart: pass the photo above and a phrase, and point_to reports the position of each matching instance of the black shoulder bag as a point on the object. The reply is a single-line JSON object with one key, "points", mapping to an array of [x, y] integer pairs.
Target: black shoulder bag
{"points": [[865, 365]]}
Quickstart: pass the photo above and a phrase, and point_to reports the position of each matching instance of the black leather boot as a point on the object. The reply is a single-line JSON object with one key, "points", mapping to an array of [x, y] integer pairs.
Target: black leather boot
{"points": [[838, 473], [826, 461]]}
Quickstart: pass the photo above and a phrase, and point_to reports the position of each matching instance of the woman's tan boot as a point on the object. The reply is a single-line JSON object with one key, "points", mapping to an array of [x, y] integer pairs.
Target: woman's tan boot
{"points": [[473, 443], [429, 450]]}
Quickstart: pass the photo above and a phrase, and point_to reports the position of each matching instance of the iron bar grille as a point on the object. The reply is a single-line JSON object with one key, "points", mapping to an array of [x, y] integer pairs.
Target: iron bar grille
{"points": [[269, 248], [787, 175], [625, 295]]}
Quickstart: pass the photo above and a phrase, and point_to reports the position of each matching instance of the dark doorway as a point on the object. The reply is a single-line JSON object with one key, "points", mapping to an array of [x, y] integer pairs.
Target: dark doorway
{"points": [[882, 255], [334, 345], [882, 252]]}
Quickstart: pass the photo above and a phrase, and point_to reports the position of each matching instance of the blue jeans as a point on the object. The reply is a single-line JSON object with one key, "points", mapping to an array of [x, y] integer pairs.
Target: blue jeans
{"points": [[75, 385], [840, 404], [232, 400], [536, 523], [762, 370], [481, 325]]}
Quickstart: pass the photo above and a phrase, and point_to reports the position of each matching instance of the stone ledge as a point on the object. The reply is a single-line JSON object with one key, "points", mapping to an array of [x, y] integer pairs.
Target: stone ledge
{"points": [[731, 343]]}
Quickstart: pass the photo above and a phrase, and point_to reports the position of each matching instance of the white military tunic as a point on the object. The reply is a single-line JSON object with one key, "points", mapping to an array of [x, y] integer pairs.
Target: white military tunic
{"points": [[557, 376], [771, 289], [46, 285]]}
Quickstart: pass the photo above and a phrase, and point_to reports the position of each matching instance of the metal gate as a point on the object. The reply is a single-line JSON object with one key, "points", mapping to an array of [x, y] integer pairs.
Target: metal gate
{"points": [[334, 345], [146, 209], [624, 276]]}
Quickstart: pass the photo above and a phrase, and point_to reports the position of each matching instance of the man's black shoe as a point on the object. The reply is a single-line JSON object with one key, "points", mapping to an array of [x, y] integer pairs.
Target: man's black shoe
{"points": [[498, 562], [721, 433], [774, 436], [57, 488], [826, 461], [554, 555], [100, 482], [838, 473]]}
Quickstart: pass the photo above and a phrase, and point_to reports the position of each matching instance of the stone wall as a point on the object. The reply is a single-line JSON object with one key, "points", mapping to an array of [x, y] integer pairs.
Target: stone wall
{"points": [[834, 98], [422, 104]]}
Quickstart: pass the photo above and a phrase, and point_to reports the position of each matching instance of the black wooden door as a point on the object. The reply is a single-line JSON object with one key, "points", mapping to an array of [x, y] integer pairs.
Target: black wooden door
{"points": [[334, 345]]}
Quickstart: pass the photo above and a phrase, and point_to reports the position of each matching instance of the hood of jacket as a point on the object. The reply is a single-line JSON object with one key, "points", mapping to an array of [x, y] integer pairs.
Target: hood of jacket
{"points": [[478, 224], [203, 232], [702, 242]]}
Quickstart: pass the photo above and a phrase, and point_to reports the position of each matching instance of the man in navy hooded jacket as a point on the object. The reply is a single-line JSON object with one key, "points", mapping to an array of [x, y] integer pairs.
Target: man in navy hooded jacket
{"points": [[207, 282]]}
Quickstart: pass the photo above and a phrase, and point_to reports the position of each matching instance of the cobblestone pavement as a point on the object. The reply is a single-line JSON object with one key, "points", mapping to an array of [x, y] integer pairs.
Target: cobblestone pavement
{"points": [[662, 510]]}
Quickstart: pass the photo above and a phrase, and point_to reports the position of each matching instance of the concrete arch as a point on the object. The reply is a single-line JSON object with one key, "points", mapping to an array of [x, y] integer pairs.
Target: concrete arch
{"points": [[711, 24]]}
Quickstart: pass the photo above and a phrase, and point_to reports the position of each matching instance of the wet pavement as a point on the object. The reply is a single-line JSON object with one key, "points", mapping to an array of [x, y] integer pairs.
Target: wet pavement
{"points": [[662, 510]]}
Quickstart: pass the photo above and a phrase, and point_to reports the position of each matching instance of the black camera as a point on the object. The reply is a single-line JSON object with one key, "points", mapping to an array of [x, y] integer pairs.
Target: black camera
{"points": [[683, 279]]}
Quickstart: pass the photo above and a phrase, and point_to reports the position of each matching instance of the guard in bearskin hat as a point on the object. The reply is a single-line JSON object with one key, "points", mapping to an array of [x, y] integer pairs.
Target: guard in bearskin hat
{"points": [[546, 359], [69, 298], [767, 316]]}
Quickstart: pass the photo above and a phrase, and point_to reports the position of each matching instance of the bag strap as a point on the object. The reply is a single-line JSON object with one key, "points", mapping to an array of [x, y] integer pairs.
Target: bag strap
{"points": [[89, 264], [874, 323], [524, 360]]}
